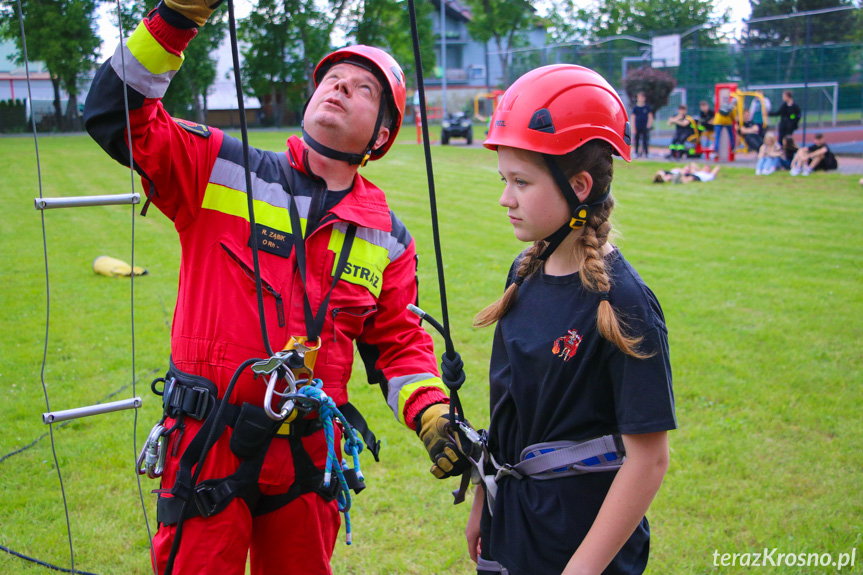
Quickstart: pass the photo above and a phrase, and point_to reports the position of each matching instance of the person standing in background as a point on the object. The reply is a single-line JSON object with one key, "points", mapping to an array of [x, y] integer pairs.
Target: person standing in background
{"points": [[643, 114], [789, 115]]}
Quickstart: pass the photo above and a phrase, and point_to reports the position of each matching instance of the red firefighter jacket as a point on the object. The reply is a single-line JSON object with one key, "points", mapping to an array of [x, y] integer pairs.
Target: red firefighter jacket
{"points": [[195, 176]]}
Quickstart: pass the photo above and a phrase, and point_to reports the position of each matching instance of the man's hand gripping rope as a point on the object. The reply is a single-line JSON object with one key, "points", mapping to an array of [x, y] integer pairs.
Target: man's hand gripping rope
{"points": [[453, 445]]}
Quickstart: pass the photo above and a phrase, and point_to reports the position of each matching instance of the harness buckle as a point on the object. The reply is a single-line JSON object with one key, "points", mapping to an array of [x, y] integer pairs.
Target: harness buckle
{"points": [[210, 497], [507, 470], [193, 401]]}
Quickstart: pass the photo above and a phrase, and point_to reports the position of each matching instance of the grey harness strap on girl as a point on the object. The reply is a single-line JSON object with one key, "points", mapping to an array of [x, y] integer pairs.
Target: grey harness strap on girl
{"points": [[555, 459], [563, 458]]}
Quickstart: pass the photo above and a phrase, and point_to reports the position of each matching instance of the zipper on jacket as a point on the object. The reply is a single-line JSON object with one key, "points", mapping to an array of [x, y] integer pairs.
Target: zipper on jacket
{"points": [[337, 310], [280, 307]]}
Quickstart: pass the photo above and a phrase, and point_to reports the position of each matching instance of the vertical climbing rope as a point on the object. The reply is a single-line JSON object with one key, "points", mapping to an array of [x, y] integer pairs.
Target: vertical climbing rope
{"points": [[47, 286]]}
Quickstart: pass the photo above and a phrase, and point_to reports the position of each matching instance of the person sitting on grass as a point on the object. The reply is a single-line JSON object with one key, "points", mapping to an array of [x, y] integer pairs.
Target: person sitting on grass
{"points": [[751, 132], [769, 155], [789, 149], [682, 123], [689, 173], [816, 157]]}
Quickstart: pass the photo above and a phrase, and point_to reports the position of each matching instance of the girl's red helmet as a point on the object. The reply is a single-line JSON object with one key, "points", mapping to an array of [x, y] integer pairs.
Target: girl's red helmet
{"points": [[388, 72], [556, 109]]}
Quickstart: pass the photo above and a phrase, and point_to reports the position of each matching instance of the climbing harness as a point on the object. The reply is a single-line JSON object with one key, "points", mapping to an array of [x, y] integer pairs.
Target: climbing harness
{"points": [[550, 460]]}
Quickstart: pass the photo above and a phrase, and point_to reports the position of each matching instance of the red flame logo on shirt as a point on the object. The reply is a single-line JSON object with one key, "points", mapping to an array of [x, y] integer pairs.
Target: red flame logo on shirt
{"points": [[567, 345]]}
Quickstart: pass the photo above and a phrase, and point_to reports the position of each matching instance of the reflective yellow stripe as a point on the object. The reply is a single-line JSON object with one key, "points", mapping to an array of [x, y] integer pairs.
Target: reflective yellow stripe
{"points": [[233, 202], [147, 50], [406, 392], [366, 262]]}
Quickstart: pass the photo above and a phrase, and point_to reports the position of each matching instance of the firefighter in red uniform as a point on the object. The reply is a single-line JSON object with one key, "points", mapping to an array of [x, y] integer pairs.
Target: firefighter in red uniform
{"points": [[311, 202]]}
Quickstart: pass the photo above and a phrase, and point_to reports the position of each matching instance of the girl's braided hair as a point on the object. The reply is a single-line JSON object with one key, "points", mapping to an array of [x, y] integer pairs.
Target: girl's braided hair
{"points": [[594, 157]]}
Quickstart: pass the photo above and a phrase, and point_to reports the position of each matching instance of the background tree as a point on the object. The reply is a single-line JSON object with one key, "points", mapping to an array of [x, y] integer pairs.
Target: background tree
{"points": [[656, 84], [823, 29], [646, 18], [834, 27], [566, 22], [62, 34], [386, 24], [616, 29], [503, 21], [286, 39]]}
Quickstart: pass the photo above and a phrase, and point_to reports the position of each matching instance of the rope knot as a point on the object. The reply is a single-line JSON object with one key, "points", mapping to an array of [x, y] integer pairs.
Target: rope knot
{"points": [[452, 370]]}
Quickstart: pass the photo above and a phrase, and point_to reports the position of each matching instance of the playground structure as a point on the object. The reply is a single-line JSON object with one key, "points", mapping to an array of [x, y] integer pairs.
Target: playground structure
{"points": [[484, 106], [723, 94]]}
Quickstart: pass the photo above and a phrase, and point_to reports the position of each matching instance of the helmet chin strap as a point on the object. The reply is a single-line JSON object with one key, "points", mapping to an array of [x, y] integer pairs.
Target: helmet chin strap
{"points": [[352, 159], [580, 211]]}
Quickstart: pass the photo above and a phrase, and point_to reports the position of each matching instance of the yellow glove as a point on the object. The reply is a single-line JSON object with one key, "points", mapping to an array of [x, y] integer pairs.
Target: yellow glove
{"points": [[448, 458], [114, 268], [195, 10]]}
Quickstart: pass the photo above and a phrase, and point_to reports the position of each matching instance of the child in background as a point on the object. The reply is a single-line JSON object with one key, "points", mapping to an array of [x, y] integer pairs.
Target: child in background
{"points": [[689, 173], [768, 156], [789, 150], [682, 123], [580, 357], [643, 115]]}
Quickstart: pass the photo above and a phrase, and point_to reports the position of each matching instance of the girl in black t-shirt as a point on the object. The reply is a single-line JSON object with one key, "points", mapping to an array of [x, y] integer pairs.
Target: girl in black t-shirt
{"points": [[580, 348]]}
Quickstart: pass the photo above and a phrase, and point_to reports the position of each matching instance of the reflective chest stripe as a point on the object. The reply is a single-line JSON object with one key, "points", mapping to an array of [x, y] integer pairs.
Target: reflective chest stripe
{"points": [[370, 254], [233, 202]]}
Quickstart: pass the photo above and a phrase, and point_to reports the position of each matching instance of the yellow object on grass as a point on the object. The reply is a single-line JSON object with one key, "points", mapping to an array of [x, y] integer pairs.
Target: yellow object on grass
{"points": [[114, 268]]}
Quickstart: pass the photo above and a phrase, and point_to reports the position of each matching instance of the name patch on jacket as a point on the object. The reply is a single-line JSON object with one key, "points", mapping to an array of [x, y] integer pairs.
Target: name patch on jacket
{"points": [[197, 129], [272, 241]]}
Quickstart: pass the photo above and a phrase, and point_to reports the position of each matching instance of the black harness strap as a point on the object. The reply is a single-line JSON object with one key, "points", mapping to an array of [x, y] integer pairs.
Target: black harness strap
{"points": [[315, 322]]}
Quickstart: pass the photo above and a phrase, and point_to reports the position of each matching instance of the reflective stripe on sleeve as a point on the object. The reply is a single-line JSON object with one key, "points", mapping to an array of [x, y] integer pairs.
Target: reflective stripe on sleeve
{"points": [[401, 388], [149, 67]]}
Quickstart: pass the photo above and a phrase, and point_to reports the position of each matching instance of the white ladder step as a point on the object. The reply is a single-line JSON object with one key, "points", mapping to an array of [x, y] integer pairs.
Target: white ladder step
{"points": [[81, 201]]}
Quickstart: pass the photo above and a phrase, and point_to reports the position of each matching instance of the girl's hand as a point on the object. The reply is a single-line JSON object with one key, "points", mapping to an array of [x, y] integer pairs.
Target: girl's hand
{"points": [[471, 530]]}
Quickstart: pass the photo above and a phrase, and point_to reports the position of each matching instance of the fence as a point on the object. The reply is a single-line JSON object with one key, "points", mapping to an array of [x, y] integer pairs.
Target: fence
{"points": [[769, 69]]}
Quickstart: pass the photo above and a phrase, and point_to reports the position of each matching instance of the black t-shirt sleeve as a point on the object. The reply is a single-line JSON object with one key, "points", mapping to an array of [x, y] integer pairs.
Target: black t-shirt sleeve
{"points": [[643, 396]]}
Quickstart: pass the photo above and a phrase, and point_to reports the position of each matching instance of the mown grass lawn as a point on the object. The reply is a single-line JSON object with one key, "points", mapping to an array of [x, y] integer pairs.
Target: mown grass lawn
{"points": [[760, 280]]}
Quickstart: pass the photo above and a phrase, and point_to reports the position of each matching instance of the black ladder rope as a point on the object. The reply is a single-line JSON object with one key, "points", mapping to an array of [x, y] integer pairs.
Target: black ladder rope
{"points": [[451, 362], [48, 322]]}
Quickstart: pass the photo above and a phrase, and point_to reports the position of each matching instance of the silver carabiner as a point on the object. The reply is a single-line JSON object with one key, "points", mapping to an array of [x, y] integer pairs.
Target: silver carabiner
{"points": [[152, 458], [288, 407]]}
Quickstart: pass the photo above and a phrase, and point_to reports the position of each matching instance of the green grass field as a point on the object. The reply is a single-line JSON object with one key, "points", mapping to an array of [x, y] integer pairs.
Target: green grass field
{"points": [[760, 280]]}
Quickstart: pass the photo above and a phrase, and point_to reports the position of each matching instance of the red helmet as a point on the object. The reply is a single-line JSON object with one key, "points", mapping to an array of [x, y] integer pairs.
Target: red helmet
{"points": [[555, 109], [386, 70]]}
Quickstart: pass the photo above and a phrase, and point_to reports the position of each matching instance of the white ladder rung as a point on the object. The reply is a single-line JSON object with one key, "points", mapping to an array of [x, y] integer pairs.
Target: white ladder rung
{"points": [[81, 201], [55, 416]]}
